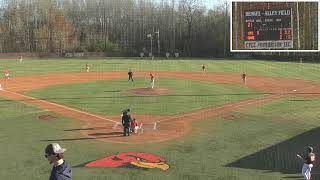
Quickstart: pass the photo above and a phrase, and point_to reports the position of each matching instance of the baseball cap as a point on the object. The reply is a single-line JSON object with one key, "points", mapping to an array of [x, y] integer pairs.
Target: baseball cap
{"points": [[310, 149], [54, 148]]}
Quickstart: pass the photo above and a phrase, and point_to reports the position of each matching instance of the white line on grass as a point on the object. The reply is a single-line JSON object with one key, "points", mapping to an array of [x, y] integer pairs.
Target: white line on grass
{"points": [[215, 109], [62, 106]]}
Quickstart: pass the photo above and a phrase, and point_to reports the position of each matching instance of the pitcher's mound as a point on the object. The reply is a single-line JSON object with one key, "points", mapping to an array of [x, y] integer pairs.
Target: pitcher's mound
{"points": [[150, 91]]}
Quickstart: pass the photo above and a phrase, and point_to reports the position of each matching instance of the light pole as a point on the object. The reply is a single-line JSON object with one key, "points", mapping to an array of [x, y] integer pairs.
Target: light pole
{"points": [[158, 32], [298, 25], [150, 36], [225, 29]]}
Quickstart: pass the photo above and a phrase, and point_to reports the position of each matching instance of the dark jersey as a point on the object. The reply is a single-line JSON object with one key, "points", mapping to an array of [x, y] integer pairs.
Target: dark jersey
{"points": [[61, 172], [244, 76], [126, 119]]}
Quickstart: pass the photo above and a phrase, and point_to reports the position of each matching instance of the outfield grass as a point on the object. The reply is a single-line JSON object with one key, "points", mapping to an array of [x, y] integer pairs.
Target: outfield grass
{"points": [[211, 151], [294, 70], [110, 97]]}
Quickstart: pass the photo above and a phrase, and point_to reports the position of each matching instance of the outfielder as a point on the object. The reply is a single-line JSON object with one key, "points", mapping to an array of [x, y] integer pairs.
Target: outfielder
{"points": [[244, 78], [203, 67], [87, 67], [20, 60]]}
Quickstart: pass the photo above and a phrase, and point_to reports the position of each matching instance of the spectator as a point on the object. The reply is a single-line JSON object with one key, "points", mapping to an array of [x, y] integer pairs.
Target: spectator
{"points": [[308, 159], [61, 169]]}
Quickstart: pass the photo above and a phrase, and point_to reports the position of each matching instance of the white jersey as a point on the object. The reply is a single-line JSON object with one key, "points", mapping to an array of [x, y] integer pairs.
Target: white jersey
{"points": [[306, 171]]}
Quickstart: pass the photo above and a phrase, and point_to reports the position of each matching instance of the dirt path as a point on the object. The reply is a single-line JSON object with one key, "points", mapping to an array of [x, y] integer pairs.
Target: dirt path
{"points": [[107, 128]]}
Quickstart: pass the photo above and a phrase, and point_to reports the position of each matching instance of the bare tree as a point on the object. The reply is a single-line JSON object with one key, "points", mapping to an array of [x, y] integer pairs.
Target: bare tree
{"points": [[115, 27]]}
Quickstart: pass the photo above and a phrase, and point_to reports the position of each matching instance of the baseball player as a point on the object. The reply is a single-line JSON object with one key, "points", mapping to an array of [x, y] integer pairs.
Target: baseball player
{"points": [[244, 78], [6, 74], [87, 67], [20, 60], [130, 74], [151, 80], [308, 159], [203, 67], [134, 126]]}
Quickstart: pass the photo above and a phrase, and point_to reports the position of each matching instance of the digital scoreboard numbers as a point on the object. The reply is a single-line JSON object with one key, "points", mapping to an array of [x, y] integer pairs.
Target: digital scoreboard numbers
{"points": [[268, 29]]}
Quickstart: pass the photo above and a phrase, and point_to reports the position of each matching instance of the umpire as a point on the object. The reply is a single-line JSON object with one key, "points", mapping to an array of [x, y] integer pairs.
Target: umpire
{"points": [[126, 120]]}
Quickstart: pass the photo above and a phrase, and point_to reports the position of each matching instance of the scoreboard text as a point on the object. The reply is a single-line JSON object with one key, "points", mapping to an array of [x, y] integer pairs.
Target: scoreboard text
{"points": [[268, 29]]}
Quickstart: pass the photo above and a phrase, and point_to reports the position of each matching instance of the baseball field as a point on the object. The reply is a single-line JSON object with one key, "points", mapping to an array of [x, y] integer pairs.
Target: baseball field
{"points": [[201, 125]]}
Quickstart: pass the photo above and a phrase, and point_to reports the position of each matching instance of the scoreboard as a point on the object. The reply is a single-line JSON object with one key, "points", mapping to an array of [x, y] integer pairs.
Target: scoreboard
{"points": [[268, 29]]}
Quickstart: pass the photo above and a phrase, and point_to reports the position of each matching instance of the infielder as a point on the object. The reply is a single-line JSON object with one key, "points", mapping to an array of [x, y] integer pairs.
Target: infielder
{"points": [[151, 80], [6, 74], [130, 74]]}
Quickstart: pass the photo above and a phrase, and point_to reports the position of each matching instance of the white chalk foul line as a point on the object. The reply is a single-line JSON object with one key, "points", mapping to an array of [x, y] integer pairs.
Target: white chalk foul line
{"points": [[251, 101], [62, 106]]}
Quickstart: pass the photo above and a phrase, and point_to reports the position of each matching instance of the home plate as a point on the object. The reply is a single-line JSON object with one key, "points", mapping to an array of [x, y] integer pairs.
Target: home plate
{"points": [[294, 90]]}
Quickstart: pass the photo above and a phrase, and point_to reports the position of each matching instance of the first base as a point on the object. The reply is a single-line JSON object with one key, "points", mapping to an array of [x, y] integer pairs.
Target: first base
{"points": [[294, 90]]}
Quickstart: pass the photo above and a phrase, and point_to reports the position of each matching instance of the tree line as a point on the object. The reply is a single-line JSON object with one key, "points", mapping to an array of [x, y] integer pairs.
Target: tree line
{"points": [[114, 27]]}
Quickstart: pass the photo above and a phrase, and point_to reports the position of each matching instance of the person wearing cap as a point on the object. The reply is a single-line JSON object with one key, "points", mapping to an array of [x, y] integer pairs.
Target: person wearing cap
{"points": [[6, 74], [130, 74], [203, 67], [244, 78], [87, 67], [61, 168], [308, 159], [134, 126], [151, 80], [125, 111], [126, 120]]}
